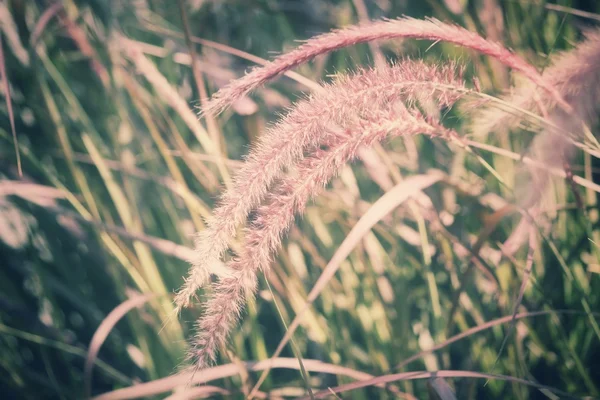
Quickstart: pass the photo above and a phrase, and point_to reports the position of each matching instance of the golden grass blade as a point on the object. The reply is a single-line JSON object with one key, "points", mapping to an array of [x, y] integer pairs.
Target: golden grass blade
{"points": [[194, 207], [78, 112], [164, 88], [149, 268], [172, 97], [66, 148], [117, 195], [171, 184]]}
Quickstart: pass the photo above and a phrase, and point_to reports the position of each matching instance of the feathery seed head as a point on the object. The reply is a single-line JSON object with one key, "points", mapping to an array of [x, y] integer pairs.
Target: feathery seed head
{"points": [[312, 142]]}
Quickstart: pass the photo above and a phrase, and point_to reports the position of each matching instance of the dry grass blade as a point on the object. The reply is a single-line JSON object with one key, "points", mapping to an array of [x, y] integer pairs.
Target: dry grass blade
{"points": [[404, 376], [183, 58], [211, 123], [79, 36], [13, 39], [131, 219], [173, 185], [11, 115], [164, 246], [572, 11], [174, 99], [168, 92], [102, 332], [382, 207], [363, 17], [158, 386]]}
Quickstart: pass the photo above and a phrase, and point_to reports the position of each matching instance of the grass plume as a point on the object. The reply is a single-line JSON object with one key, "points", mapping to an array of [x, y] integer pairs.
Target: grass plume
{"points": [[428, 29], [354, 111]]}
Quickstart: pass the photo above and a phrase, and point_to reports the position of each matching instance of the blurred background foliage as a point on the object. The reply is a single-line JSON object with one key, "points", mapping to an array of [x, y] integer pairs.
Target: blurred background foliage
{"points": [[115, 173]]}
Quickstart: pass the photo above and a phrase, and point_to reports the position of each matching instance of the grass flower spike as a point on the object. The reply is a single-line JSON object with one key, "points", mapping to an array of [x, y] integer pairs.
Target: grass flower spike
{"points": [[354, 111]]}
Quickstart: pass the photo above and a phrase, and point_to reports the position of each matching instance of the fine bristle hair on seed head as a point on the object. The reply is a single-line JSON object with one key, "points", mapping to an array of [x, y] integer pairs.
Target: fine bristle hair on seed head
{"points": [[313, 142]]}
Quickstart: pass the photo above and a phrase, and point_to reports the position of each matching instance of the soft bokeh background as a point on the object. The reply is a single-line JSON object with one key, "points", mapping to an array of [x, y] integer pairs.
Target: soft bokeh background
{"points": [[116, 179]]}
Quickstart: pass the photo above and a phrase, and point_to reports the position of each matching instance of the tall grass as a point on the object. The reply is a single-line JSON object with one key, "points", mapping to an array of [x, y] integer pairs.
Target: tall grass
{"points": [[468, 252]]}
